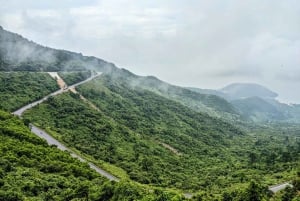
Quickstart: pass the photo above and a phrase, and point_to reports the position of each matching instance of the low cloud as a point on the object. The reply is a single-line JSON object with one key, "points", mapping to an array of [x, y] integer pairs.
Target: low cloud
{"points": [[199, 43]]}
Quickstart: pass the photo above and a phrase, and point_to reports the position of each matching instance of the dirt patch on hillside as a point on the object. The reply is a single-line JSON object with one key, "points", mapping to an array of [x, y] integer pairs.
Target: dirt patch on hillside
{"points": [[172, 149], [61, 83]]}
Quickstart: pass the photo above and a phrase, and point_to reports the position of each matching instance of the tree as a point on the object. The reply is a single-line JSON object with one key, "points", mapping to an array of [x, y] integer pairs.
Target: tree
{"points": [[252, 158], [254, 192]]}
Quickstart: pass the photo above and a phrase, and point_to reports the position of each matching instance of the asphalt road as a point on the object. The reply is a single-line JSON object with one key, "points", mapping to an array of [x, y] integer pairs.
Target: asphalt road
{"points": [[20, 111], [52, 141]]}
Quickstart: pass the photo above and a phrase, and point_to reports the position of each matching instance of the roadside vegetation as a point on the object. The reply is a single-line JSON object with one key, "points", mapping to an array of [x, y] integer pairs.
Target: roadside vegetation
{"points": [[74, 77], [21, 88], [148, 133], [132, 124], [32, 170]]}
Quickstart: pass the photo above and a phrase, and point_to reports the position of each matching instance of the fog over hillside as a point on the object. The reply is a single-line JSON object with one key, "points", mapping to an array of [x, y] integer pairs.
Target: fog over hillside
{"points": [[182, 43]]}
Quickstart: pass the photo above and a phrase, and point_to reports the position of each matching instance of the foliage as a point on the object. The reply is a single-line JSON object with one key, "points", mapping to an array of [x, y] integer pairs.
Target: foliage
{"points": [[133, 124], [20, 88], [74, 77], [32, 170]]}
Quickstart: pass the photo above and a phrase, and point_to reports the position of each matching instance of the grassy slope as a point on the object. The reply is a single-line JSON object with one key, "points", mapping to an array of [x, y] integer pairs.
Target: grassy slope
{"points": [[20, 88]]}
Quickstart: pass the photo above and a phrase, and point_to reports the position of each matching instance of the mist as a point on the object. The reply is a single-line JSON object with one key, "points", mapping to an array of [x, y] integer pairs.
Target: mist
{"points": [[197, 44]]}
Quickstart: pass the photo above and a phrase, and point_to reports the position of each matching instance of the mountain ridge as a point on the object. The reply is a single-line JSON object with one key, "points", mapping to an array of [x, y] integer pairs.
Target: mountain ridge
{"points": [[139, 119], [248, 98], [40, 58]]}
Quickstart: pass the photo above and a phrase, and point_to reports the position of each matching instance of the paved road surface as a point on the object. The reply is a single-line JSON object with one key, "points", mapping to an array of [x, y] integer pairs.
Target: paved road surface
{"points": [[20, 111], [279, 187], [51, 141]]}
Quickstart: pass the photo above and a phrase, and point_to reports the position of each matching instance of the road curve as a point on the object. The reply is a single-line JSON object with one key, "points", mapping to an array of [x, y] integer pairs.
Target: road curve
{"points": [[52, 141], [20, 111]]}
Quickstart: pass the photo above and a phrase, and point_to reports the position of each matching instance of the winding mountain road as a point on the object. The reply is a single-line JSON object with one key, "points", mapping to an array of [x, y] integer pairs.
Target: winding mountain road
{"points": [[52, 141], [20, 111]]}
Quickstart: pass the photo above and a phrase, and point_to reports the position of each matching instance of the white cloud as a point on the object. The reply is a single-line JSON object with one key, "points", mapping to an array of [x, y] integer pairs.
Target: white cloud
{"points": [[197, 42]]}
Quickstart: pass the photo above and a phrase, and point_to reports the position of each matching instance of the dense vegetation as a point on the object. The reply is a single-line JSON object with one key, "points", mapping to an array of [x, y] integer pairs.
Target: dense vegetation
{"points": [[208, 103], [32, 170], [158, 141], [20, 88], [74, 77], [128, 125]]}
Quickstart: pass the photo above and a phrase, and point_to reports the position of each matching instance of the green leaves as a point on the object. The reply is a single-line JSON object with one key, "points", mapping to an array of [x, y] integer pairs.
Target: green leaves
{"points": [[20, 88]]}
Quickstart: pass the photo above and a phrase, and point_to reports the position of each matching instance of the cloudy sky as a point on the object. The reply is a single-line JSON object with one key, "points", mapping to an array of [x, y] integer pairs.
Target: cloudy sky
{"points": [[199, 43]]}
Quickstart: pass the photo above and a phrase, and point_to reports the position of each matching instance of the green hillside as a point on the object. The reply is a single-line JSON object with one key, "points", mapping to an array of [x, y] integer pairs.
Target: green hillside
{"points": [[158, 141], [74, 77], [20, 54], [29, 56], [21, 88], [32, 170], [208, 103], [258, 109]]}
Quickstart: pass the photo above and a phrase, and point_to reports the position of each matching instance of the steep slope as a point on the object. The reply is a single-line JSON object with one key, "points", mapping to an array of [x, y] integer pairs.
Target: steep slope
{"points": [[129, 131], [258, 109], [210, 91], [20, 54], [74, 77], [153, 139], [32, 170], [20, 88], [211, 104]]}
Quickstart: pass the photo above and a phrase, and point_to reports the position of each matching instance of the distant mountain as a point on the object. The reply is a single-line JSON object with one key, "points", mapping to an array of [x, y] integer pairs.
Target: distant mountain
{"points": [[255, 102], [20, 54], [257, 109], [246, 90]]}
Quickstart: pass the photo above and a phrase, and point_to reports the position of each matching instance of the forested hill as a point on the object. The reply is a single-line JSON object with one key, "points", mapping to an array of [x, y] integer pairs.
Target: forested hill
{"points": [[137, 128], [20, 54], [32, 170], [161, 142]]}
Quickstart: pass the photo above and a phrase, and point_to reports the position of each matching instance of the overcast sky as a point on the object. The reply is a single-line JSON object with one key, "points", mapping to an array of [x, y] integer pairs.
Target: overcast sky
{"points": [[199, 43]]}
